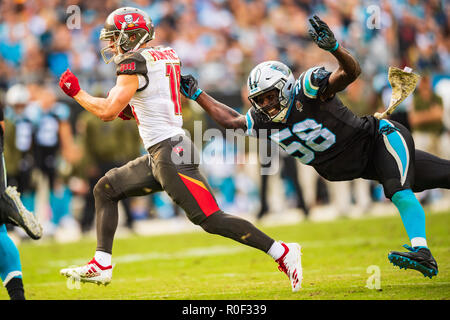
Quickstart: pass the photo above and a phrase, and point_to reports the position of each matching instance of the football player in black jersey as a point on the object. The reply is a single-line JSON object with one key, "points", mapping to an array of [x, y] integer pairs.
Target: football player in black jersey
{"points": [[307, 119]]}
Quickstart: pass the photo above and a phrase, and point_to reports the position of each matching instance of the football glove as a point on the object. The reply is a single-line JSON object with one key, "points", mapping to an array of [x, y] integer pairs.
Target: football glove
{"points": [[69, 83], [189, 87], [122, 114], [322, 34]]}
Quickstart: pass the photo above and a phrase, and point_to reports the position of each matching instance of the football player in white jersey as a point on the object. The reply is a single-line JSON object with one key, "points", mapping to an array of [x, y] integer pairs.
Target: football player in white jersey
{"points": [[148, 90]]}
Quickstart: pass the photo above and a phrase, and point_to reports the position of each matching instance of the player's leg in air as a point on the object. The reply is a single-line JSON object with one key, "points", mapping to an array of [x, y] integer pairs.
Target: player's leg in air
{"points": [[395, 165], [182, 180]]}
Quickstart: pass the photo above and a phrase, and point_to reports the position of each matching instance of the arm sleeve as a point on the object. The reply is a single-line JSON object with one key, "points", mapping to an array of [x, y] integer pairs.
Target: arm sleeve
{"points": [[314, 81]]}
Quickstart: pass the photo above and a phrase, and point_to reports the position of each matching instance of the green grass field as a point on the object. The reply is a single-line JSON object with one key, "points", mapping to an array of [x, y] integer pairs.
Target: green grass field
{"points": [[201, 266]]}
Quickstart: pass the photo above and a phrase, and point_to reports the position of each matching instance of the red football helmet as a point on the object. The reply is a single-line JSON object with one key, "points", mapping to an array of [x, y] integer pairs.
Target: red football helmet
{"points": [[120, 25]]}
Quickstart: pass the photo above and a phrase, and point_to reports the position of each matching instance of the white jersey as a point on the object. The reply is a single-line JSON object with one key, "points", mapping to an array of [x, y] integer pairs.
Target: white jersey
{"points": [[156, 105]]}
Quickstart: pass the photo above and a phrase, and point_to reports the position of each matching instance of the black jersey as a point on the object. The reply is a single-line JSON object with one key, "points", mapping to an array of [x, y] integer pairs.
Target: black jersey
{"points": [[323, 134]]}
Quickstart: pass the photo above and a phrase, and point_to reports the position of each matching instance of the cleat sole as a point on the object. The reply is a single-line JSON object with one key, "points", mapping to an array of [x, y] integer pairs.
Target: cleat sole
{"points": [[405, 263], [83, 280]]}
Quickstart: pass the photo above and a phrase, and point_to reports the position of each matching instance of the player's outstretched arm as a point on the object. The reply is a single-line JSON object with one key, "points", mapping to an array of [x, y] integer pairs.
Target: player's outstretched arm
{"points": [[224, 115], [107, 109], [349, 68]]}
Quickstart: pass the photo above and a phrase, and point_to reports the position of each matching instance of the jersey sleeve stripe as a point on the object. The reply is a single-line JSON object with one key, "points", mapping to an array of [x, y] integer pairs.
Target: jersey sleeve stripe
{"points": [[309, 89], [249, 121]]}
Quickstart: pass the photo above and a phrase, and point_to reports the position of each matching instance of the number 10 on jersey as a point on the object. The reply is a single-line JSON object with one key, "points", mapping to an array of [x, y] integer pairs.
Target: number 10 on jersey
{"points": [[173, 72]]}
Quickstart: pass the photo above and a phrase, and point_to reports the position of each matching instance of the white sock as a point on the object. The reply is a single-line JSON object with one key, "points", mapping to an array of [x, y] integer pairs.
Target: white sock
{"points": [[276, 250], [103, 258], [419, 242]]}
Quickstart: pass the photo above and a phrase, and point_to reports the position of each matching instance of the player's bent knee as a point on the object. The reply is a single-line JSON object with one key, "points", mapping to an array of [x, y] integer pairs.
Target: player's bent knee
{"points": [[392, 187], [104, 190]]}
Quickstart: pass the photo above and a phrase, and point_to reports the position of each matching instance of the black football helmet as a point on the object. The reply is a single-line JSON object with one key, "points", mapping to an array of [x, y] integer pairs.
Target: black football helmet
{"points": [[120, 25]]}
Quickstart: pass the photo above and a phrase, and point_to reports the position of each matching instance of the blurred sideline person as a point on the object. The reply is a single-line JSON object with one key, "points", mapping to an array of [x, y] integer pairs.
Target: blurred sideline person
{"points": [[53, 141], [426, 117], [426, 123], [443, 90], [308, 120], [19, 143], [12, 211], [148, 90], [101, 141], [289, 175]]}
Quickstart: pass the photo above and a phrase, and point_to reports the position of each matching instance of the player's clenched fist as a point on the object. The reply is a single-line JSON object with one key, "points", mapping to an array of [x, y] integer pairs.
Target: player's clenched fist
{"points": [[69, 83]]}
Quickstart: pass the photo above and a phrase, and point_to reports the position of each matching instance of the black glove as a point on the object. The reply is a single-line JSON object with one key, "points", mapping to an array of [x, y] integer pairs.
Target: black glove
{"points": [[322, 34], [189, 87]]}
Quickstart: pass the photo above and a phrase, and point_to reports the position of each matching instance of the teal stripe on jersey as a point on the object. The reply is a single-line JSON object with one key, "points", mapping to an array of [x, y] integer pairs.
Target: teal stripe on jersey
{"points": [[398, 148], [308, 88], [249, 121]]}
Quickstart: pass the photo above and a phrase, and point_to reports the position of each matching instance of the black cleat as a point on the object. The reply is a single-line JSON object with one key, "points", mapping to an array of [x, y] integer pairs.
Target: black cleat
{"points": [[13, 211], [419, 259]]}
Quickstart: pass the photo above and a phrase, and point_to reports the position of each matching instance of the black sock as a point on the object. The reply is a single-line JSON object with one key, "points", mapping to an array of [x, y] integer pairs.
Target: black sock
{"points": [[15, 289], [238, 229]]}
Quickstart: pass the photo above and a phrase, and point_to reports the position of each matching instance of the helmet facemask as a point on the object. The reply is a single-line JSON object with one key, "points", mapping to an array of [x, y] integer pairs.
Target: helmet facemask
{"points": [[112, 50], [271, 102]]}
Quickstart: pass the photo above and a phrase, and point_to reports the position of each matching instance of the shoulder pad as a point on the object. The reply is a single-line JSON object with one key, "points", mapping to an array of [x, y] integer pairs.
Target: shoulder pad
{"points": [[132, 63], [314, 81]]}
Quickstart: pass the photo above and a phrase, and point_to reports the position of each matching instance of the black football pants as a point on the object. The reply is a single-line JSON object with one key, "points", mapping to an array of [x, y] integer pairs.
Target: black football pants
{"points": [[170, 166]]}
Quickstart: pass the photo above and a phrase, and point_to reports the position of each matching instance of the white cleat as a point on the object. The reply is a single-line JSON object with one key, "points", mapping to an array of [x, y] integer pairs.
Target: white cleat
{"points": [[291, 264], [92, 272]]}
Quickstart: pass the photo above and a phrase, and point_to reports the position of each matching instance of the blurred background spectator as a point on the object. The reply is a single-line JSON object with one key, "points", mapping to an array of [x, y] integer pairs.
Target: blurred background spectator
{"points": [[219, 42]]}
